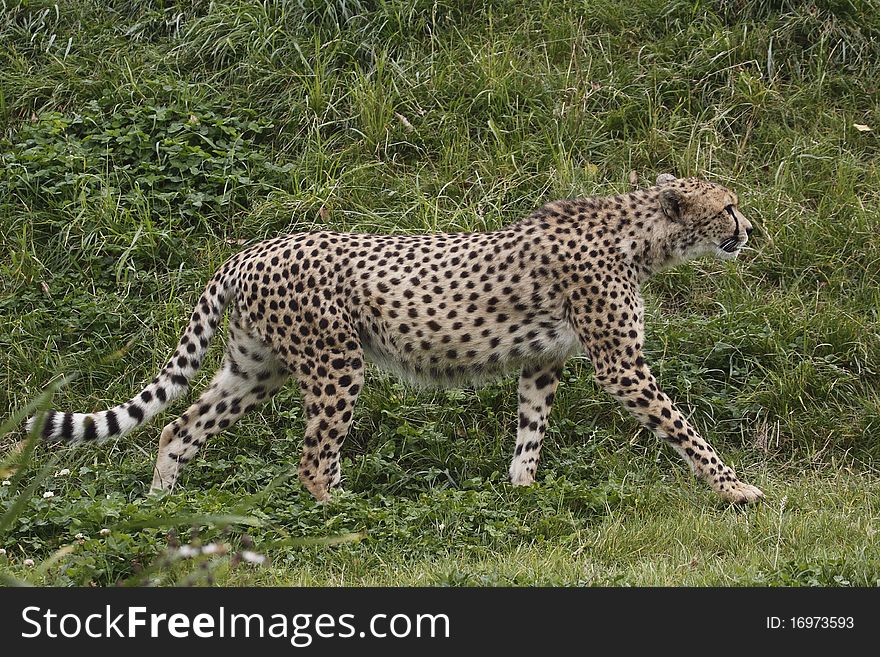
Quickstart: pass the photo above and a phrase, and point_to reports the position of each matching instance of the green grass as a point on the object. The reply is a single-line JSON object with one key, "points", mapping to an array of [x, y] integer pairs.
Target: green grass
{"points": [[143, 143]]}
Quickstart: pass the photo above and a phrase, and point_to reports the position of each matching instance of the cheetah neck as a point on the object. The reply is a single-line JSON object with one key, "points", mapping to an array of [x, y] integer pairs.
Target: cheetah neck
{"points": [[661, 247], [628, 228], [636, 229]]}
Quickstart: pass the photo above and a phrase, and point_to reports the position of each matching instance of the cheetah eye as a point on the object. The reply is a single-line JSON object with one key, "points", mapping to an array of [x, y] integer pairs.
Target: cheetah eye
{"points": [[729, 210]]}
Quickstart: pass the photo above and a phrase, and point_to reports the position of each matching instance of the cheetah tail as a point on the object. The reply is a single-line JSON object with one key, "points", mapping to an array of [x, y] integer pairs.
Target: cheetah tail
{"points": [[171, 382]]}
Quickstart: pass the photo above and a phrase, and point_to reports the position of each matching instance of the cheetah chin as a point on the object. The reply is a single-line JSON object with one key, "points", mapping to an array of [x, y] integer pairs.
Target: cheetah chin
{"points": [[446, 309]]}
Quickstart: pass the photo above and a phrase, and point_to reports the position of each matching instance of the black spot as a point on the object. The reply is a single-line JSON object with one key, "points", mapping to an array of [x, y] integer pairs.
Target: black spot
{"points": [[90, 431], [136, 412], [112, 423], [67, 426], [543, 381], [47, 424]]}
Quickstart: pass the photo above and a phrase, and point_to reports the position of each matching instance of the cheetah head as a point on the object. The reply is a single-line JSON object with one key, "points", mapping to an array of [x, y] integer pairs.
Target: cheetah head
{"points": [[704, 217]]}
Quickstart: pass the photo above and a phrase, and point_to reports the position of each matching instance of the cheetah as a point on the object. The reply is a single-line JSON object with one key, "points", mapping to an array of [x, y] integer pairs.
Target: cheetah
{"points": [[444, 309]]}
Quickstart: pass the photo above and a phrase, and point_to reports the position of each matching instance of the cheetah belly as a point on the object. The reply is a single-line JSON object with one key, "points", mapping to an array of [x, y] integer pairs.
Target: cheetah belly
{"points": [[422, 361]]}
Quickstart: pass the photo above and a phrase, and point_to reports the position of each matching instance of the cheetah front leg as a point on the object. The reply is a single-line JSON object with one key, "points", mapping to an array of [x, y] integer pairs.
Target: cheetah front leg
{"points": [[615, 350], [537, 386], [631, 382]]}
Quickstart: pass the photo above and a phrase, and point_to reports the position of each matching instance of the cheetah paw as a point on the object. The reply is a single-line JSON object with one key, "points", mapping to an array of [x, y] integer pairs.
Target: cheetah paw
{"points": [[741, 493], [320, 491], [323, 497], [520, 475]]}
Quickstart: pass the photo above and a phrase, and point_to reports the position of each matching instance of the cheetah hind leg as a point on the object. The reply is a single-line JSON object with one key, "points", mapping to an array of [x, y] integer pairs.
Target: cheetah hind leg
{"points": [[249, 375], [330, 384]]}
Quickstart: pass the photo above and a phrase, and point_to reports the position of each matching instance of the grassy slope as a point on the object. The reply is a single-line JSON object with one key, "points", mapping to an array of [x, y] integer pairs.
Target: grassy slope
{"points": [[141, 147]]}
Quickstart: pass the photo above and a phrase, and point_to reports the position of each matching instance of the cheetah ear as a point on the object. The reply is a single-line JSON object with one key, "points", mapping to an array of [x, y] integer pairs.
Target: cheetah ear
{"points": [[672, 203], [664, 178]]}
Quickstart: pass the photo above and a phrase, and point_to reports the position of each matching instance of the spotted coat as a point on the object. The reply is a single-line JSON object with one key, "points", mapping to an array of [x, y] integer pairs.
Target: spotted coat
{"points": [[443, 309]]}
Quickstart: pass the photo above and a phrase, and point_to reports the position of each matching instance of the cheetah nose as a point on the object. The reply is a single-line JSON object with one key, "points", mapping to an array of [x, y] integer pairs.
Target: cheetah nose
{"points": [[749, 231]]}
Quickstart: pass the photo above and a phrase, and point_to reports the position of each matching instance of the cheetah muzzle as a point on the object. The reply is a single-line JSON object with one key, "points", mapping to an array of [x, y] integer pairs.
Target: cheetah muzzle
{"points": [[444, 309]]}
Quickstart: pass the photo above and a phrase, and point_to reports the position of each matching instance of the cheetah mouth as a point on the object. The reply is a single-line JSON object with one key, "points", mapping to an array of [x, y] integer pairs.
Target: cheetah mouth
{"points": [[731, 245]]}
